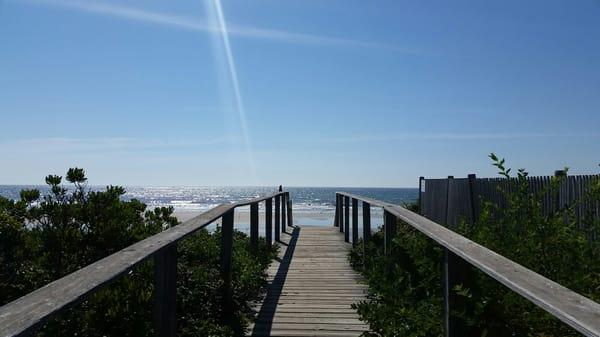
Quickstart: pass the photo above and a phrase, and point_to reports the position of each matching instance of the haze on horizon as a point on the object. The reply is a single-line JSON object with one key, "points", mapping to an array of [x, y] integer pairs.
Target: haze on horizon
{"points": [[300, 93]]}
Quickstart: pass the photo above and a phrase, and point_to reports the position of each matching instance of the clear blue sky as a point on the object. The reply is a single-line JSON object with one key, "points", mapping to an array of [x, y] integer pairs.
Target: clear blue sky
{"points": [[336, 93]]}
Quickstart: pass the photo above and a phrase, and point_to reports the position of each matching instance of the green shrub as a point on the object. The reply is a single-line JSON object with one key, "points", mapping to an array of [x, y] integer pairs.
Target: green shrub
{"points": [[43, 238], [405, 295]]}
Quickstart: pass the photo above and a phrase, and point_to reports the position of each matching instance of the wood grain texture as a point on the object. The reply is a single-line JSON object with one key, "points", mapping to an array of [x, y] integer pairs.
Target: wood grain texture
{"points": [[311, 288]]}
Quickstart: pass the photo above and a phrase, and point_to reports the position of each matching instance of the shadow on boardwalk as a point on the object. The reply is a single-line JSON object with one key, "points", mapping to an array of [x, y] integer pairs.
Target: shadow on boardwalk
{"points": [[267, 312], [312, 288]]}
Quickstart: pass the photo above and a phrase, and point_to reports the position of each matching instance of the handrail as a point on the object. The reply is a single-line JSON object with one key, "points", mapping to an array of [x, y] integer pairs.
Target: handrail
{"points": [[24, 315], [575, 310]]}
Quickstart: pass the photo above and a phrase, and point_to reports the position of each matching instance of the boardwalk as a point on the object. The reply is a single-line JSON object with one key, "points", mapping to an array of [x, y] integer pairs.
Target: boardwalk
{"points": [[311, 288]]}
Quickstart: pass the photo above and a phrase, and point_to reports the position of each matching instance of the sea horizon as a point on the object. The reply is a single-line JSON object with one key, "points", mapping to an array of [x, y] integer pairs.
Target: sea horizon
{"points": [[312, 205]]}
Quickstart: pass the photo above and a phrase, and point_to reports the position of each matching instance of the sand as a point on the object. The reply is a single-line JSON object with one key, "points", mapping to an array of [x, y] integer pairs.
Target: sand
{"points": [[302, 218], [243, 217]]}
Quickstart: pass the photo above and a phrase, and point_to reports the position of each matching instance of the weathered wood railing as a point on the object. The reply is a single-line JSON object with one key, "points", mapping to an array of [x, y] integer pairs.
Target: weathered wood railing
{"points": [[26, 314], [571, 308]]}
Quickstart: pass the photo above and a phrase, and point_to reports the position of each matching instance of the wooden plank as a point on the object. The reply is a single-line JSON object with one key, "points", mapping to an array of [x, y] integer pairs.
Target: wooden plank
{"points": [[308, 332], [311, 288]]}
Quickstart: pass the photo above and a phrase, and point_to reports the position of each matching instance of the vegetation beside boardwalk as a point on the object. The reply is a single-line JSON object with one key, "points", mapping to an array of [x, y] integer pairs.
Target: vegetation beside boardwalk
{"points": [[405, 287], [43, 238]]}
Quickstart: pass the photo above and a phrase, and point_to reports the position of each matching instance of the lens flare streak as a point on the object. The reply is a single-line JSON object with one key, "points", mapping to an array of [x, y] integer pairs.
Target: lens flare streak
{"points": [[234, 81]]}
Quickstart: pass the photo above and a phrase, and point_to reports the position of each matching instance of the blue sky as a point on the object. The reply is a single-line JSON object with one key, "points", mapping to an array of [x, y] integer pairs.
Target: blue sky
{"points": [[333, 93]]}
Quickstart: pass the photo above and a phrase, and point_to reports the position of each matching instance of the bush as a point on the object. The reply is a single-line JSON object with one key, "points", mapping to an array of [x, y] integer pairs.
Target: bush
{"points": [[43, 238], [405, 294], [405, 288]]}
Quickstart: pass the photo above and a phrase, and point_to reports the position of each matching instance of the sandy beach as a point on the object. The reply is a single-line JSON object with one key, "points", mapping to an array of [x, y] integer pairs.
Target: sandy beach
{"points": [[243, 217], [318, 219]]}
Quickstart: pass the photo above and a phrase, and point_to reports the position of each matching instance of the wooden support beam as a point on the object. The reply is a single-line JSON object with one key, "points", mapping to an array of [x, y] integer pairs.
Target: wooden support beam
{"points": [[283, 216], [455, 271], [354, 221], [347, 219], [254, 225], [340, 210], [269, 221], [165, 291], [290, 215], [366, 209], [336, 218], [226, 262], [277, 218], [389, 224]]}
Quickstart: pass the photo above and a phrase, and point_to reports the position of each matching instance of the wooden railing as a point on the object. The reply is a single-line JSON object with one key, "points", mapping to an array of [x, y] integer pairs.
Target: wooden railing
{"points": [[577, 311], [26, 314]]}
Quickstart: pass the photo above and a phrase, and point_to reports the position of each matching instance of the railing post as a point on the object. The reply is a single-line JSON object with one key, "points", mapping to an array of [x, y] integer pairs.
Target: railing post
{"points": [[226, 254], [283, 216], [366, 213], [254, 225], [454, 269], [366, 209], [339, 208], [354, 221], [346, 218], [289, 212], [389, 224], [269, 221], [277, 218], [165, 291], [336, 217]]}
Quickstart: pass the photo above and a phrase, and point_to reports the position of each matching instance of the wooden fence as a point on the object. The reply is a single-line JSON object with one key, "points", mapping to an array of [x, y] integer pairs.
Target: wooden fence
{"points": [[447, 201], [26, 314], [573, 309]]}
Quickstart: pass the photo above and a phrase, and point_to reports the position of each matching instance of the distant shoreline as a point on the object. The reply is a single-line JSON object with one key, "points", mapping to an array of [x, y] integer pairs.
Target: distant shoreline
{"points": [[302, 218]]}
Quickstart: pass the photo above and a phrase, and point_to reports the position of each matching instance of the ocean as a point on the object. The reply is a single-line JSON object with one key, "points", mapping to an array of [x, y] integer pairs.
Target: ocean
{"points": [[312, 205]]}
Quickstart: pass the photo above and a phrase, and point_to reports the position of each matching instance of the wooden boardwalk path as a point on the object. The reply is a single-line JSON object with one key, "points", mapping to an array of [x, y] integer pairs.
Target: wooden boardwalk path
{"points": [[311, 288]]}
